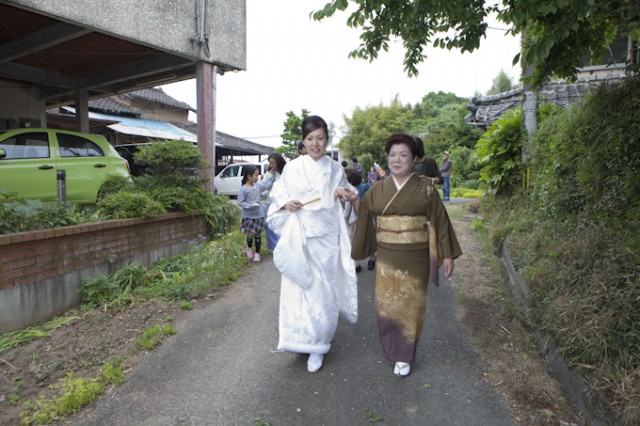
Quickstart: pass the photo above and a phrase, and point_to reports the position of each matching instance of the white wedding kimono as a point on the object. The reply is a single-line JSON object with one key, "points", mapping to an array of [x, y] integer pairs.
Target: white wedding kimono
{"points": [[313, 254]]}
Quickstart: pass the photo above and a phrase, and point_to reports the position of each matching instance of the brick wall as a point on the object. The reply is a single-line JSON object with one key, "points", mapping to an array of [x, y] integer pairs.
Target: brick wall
{"points": [[40, 271]]}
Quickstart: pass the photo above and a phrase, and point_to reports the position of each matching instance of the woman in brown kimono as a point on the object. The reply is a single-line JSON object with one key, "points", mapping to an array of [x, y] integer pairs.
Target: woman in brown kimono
{"points": [[413, 236]]}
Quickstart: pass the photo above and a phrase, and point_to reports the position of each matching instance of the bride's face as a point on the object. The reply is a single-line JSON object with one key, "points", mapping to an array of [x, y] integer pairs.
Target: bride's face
{"points": [[316, 143]]}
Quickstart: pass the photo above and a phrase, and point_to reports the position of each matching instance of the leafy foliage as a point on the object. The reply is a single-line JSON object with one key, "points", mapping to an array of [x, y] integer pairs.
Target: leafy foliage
{"points": [[113, 184], [220, 213], [292, 134], [204, 266], [499, 152], [19, 215], [171, 163], [367, 129], [588, 157], [558, 33], [574, 240], [125, 205]]}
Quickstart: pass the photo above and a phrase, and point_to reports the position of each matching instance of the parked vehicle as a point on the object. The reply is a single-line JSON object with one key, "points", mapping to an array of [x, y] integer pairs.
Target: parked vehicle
{"points": [[229, 180], [30, 159], [128, 152]]}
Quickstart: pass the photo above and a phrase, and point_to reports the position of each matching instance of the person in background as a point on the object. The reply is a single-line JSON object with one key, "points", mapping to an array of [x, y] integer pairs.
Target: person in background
{"points": [[344, 164], [276, 166], [355, 179], [356, 165], [412, 235], [253, 222], [319, 281], [372, 176], [302, 150], [445, 170], [426, 166]]}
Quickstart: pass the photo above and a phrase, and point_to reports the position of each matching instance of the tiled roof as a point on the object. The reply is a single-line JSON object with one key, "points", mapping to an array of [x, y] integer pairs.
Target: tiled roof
{"points": [[112, 105], [486, 110], [157, 95], [231, 145]]}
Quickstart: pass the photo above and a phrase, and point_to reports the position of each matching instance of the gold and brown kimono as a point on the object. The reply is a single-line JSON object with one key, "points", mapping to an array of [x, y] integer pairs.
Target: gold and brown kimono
{"points": [[401, 225]]}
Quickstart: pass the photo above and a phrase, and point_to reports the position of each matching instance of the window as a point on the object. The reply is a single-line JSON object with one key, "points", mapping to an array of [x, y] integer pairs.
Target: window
{"points": [[76, 146], [26, 145], [231, 171]]}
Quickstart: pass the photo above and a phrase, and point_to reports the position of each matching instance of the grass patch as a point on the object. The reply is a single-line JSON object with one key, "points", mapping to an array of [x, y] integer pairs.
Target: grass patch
{"points": [[71, 394], [585, 292], [16, 338], [466, 193], [205, 266], [373, 417], [155, 335], [259, 421]]}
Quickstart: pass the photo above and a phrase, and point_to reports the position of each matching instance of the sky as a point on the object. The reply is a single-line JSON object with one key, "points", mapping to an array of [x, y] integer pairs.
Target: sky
{"points": [[294, 62]]}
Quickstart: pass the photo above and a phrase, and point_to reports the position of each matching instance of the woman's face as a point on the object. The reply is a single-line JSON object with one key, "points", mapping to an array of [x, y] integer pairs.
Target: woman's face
{"points": [[316, 142], [272, 164], [400, 160]]}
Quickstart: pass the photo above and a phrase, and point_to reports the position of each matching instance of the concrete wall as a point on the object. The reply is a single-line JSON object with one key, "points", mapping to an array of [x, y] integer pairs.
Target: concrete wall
{"points": [[168, 25], [41, 271], [18, 106]]}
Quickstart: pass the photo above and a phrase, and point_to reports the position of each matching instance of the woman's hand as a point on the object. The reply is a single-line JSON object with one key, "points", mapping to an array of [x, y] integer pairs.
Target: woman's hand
{"points": [[292, 206], [447, 267], [345, 195]]}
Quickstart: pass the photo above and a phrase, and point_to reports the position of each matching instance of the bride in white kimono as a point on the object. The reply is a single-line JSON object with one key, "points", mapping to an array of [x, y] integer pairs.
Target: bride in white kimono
{"points": [[313, 254]]}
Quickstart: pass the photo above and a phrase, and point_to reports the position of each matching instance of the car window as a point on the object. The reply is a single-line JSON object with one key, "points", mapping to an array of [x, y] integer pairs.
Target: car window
{"points": [[231, 171], [26, 145], [76, 146]]}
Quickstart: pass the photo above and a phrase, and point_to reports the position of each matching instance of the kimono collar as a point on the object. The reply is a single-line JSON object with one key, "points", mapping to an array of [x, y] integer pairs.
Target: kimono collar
{"points": [[398, 185], [314, 165]]}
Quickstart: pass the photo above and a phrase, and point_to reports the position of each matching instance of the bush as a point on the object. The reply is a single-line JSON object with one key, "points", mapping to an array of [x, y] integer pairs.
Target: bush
{"points": [[19, 215], [125, 205], [499, 153], [574, 240], [113, 184]]}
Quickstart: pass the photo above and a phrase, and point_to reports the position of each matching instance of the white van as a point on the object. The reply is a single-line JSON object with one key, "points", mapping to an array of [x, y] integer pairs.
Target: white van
{"points": [[229, 180]]}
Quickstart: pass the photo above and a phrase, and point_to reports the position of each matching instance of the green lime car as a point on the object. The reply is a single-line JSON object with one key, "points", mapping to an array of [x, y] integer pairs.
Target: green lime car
{"points": [[31, 158]]}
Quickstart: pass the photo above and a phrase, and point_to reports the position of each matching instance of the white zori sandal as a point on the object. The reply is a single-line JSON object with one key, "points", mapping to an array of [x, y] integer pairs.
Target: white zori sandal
{"points": [[402, 369], [314, 363]]}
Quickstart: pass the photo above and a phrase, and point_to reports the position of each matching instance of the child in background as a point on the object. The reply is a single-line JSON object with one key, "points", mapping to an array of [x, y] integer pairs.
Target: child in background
{"points": [[250, 201]]}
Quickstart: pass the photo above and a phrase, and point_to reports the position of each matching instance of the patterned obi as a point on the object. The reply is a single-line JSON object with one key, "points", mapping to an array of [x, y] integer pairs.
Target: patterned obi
{"points": [[397, 229]]}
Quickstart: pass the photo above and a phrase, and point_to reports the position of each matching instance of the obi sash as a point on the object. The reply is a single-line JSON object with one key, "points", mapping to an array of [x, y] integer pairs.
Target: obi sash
{"points": [[400, 229]]}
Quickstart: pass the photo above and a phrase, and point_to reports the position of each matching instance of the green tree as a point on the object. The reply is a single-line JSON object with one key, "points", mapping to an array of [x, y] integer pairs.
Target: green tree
{"points": [[367, 129], [559, 33], [439, 121], [501, 83], [292, 134]]}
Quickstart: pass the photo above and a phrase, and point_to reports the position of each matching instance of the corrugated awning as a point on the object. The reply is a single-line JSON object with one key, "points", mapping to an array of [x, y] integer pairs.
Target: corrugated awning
{"points": [[143, 127]]}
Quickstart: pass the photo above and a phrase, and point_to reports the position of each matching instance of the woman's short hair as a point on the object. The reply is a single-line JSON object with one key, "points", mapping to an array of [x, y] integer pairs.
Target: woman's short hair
{"points": [[311, 123], [401, 138], [280, 161]]}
